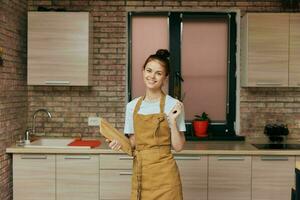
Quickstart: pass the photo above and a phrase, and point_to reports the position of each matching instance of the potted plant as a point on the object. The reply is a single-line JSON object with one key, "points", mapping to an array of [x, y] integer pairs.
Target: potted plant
{"points": [[200, 124]]}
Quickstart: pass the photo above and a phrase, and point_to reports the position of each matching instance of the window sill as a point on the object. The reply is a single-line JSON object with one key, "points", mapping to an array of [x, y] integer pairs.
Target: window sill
{"points": [[215, 137]]}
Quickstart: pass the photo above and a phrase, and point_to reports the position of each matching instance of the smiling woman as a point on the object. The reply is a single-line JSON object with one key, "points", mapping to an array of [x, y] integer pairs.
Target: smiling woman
{"points": [[155, 123]]}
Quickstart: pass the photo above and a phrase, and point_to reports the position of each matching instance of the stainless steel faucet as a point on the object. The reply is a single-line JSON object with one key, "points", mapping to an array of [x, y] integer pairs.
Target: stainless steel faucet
{"points": [[34, 116]]}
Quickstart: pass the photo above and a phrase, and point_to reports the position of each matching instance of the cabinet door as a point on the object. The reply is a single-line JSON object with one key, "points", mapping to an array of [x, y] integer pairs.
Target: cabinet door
{"points": [[229, 178], [33, 177], [77, 177], [115, 177], [294, 59], [193, 173], [58, 48], [115, 184], [265, 51], [272, 177]]}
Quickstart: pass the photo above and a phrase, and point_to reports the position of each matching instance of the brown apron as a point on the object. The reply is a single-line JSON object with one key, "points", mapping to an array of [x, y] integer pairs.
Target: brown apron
{"points": [[155, 173]]}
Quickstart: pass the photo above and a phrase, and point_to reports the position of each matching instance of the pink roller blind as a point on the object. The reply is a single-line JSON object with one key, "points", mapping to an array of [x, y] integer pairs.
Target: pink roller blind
{"points": [[204, 67], [149, 33]]}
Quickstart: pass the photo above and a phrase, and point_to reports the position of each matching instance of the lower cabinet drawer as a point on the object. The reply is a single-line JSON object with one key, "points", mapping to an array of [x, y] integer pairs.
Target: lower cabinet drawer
{"points": [[229, 177], [272, 177], [119, 161], [77, 177], [193, 173], [115, 184]]}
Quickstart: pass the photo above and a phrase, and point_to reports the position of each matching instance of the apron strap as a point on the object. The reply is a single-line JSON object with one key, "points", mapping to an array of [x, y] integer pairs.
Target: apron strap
{"points": [[138, 105], [162, 103]]}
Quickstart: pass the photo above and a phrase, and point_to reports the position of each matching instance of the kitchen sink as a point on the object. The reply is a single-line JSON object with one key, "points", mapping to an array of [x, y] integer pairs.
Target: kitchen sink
{"points": [[53, 143], [282, 146]]}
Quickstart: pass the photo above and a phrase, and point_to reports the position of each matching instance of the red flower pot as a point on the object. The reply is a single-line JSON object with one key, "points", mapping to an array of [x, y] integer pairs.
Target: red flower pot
{"points": [[200, 128]]}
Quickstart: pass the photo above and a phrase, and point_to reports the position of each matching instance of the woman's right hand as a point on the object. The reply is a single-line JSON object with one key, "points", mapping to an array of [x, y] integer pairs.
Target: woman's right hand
{"points": [[114, 144]]}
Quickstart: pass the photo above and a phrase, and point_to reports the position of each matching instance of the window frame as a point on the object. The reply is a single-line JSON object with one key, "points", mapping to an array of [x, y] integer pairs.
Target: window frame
{"points": [[175, 34]]}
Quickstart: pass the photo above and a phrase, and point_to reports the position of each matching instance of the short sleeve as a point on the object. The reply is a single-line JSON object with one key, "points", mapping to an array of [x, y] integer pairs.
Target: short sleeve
{"points": [[128, 126], [181, 121]]}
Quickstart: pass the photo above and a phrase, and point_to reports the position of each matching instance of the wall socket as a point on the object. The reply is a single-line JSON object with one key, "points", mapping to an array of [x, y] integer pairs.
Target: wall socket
{"points": [[93, 121]]}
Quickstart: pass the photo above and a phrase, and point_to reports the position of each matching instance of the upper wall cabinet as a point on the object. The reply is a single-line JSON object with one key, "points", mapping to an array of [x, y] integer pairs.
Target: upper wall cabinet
{"points": [[294, 59], [59, 48], [265, 50]]}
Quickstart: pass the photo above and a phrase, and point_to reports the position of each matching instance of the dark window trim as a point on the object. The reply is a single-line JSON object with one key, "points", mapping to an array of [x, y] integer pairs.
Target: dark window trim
{"points": [[175, 58]]}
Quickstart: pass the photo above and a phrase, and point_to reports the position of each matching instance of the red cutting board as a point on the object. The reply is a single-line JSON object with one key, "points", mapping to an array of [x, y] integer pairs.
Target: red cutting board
{"points": [[91, 143]]}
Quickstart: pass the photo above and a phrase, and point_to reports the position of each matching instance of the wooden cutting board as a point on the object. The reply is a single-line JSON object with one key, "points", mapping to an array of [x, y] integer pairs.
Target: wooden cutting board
{"points": [[111, 133]]}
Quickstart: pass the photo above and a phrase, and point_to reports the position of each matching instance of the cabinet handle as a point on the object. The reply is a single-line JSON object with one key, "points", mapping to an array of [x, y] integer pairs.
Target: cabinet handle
{"points": [[33, 156], [275, 158], [57, 82], [231, 158], [125, 173], [78, 157], [187, 158], [126, 158], [262, 83]]}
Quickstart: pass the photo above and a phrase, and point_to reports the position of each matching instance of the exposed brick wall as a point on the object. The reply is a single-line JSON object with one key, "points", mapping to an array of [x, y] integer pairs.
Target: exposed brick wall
{"points": [[13, 90], [269, 105], [71, 106]]}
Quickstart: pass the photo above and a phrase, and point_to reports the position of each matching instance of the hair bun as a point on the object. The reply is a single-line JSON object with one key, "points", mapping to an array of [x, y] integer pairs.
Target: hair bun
{"points": [[163, 53]]}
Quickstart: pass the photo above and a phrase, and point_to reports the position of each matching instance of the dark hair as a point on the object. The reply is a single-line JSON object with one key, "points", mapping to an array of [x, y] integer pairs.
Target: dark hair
{"points": [[162, 56]]}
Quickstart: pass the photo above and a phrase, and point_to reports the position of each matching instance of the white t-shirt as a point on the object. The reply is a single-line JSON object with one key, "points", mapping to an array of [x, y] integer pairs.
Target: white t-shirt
{"points": [[147, 108]]}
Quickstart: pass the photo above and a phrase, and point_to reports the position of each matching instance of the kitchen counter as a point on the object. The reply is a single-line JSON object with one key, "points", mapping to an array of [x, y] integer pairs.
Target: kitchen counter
{"points": [[191, 147]]}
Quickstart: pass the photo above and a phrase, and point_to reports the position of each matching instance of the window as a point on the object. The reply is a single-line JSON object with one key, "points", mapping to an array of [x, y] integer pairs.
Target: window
{"points": [[203, 62], [147, 34]]}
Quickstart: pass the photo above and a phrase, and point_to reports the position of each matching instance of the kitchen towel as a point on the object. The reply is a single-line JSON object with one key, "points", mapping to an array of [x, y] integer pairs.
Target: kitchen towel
{"points": [[90, 143]]}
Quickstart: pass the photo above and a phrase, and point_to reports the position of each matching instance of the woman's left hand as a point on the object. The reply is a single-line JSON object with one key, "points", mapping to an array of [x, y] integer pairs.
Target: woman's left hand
{"points": [[175, 112]]}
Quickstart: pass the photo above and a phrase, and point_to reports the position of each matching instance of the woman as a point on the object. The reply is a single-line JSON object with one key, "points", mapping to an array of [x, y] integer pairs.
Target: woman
{"points": [[155, 122]]}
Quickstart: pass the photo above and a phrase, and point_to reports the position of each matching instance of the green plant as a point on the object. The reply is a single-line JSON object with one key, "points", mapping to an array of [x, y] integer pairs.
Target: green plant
{"points": [[200, 125], [202, 117]]}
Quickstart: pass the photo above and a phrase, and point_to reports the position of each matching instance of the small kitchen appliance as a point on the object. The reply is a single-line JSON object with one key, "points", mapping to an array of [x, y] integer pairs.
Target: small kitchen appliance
{"points": [[276, 132]]}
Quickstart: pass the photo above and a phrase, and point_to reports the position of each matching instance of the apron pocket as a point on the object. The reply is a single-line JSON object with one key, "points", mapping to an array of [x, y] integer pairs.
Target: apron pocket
{"points": [[164, 174]]}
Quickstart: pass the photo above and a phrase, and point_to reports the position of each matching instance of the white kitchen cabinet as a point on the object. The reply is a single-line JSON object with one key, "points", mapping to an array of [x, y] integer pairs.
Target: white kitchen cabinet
{"points": [[229, 177], [33, 177], [272, 177], [265, 50], [115, 177], [193, 173], [59, 48], [77, 177]]}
